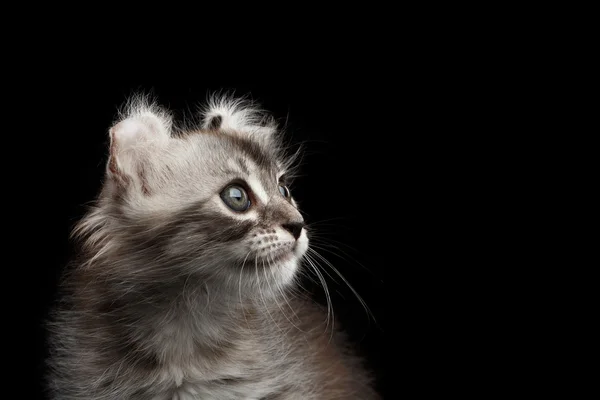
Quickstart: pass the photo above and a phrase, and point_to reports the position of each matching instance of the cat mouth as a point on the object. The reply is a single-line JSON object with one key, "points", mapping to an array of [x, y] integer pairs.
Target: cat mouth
{"points": [[270, 259], [281, 256]]}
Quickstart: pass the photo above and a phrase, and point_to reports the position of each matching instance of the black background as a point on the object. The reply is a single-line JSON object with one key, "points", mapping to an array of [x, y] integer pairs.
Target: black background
{"points": [[339, 189]]}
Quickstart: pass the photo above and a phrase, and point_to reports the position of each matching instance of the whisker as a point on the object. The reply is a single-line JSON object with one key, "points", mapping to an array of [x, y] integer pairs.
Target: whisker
{"points": [[262, 296], [323, 269], [240, 287], [283, 295], [330, 315], [359, 298], [322, 245]]}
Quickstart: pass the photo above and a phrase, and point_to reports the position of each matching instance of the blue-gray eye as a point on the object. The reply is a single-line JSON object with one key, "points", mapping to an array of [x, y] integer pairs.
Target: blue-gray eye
{"points": [[285, 192], [236, 198]]}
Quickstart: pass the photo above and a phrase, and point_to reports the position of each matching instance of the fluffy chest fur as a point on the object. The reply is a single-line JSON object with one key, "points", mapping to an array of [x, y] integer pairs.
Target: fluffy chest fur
{"points": [[283, 351], [265, 358]]}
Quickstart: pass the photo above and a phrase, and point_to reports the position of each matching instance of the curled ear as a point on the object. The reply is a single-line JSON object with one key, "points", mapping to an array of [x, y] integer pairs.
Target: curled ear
{"points": [[142, 130], [237, 116]]}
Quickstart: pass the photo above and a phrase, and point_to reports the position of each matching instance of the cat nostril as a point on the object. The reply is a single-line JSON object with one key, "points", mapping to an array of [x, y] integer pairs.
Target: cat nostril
{"points": [[295, 228]]}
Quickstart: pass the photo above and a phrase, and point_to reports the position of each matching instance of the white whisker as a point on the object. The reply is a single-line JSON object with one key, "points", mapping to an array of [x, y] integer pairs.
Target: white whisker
{"points": [[240, 287], [271, 268], [358, 297], [330, 314], [262, 296]]}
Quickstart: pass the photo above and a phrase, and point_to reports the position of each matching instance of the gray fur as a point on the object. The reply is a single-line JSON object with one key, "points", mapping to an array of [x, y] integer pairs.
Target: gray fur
{"points": [[163, 304]]}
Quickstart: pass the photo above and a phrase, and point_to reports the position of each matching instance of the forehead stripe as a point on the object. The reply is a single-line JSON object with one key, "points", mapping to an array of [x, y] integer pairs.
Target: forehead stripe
{"points": [[253, 151], [258, 189], [261, 158]]}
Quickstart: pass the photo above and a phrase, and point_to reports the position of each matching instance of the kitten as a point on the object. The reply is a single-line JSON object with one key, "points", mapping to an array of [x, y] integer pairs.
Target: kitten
{"points": [[185, 285]]}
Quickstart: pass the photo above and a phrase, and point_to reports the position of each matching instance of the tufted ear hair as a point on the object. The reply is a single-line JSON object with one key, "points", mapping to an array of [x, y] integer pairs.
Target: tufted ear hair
{"points": [[143, 128], [238, 116]]}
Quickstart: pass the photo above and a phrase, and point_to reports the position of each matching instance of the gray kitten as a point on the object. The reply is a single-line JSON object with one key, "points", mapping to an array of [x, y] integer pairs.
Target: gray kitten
{"points": [[190, 258]]}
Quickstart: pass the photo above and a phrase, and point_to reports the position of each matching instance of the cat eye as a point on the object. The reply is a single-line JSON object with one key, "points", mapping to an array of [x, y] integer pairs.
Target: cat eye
{"points": [[236, 198], [285, 192]]}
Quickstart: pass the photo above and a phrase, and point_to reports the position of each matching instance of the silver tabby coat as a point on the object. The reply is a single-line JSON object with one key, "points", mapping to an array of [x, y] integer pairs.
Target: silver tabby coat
{"points": [[185, 288]]}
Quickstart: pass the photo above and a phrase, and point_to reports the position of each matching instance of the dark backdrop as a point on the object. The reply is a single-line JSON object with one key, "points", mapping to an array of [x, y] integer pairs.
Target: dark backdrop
{"points": [[339, 189]]}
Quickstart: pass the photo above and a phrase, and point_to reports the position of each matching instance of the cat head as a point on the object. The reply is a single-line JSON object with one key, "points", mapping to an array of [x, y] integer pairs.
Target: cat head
{"points": [[210, 203]]}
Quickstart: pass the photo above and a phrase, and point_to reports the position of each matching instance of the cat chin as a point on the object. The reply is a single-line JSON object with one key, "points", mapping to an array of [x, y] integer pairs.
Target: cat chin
{"points": [[289, 267], [301, 245], [287, 270], [282, 271]]}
